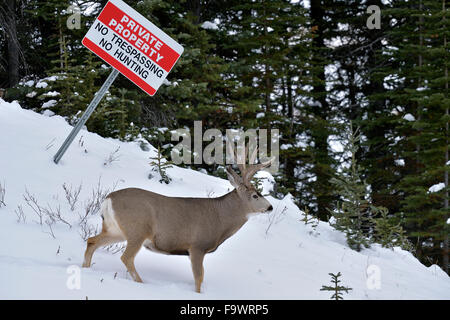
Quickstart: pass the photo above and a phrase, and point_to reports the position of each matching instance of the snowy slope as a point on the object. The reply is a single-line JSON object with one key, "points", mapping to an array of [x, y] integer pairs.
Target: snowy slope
{"points": [[287, 260]]}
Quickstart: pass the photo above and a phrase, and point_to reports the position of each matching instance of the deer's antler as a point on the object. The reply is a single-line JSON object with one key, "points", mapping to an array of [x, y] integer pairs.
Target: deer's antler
{"points": [[253, 169], [247, 171]]}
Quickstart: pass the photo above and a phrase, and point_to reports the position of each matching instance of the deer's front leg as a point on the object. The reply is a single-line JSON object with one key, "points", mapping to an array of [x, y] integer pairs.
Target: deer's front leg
{"points": [[197, 256]]}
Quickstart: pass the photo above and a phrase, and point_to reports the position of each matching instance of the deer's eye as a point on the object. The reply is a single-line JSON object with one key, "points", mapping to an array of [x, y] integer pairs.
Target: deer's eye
{"points": [[255, 196]]}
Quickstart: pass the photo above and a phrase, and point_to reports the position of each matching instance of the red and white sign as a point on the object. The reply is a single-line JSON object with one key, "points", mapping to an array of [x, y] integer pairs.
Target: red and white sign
{"points": [[133, 45]]}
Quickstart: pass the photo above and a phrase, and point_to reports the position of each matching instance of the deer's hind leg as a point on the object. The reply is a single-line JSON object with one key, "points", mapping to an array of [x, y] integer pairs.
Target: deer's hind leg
{"points": [[111, 233], [102, 239], [133, 246]]}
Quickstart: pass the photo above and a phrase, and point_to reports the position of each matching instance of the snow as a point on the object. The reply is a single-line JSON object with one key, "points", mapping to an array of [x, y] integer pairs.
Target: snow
{"points": [[335, 144], [267, 183], [273, 256], [49, 104], [41, 84], [52, 78], [397, 110], [409, 117], [399, 162], [301, 144], [437, 270], [31, 94], [48, 113], [436, 187], [52, 94], [392, 81], [209, 25]]}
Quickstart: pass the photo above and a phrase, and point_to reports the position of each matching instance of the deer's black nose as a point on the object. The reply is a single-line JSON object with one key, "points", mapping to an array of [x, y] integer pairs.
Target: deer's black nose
{"points": [[270, 208]]}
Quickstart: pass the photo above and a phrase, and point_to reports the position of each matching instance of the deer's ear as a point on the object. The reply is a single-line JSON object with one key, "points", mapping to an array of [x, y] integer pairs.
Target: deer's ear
{"points": [[233, 177]]}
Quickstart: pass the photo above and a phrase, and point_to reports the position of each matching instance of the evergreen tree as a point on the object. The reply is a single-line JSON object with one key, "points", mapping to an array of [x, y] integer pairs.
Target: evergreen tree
{"points": [[389, 233], [319, 111], [160, 165], [353, 214], [416, 89], [336, 288]]}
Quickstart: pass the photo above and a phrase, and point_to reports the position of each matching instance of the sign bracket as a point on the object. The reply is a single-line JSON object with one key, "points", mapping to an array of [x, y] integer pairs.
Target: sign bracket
{"points": [[95, 101]]}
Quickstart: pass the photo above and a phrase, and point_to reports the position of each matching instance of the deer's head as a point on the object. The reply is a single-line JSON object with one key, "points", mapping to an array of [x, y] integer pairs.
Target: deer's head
{"points": [[254, 201]]}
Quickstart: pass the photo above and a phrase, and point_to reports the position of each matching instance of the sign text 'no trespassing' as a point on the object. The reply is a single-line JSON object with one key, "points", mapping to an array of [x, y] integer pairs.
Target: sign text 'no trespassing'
{"points": [[133, 45]]}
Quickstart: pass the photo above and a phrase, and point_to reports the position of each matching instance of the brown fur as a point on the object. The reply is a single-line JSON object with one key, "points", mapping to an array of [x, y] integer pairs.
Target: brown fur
{"points": [[175, 225]]}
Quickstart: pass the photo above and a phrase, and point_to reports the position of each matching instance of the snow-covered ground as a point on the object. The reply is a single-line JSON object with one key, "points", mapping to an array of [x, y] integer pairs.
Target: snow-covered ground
{"points": [[273, 256]]}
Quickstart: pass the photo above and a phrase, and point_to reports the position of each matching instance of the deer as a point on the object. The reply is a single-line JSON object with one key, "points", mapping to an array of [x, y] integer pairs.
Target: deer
{"points": [[179, 225]]}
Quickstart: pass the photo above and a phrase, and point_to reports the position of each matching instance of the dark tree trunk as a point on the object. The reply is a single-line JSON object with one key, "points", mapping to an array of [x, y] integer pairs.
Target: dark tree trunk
{"points": [[195, 7], [13, 43], [445, 258], [320, 134]]}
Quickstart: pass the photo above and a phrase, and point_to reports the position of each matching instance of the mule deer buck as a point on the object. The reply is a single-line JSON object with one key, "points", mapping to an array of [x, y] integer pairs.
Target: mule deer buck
{"points": [[176, 225]]}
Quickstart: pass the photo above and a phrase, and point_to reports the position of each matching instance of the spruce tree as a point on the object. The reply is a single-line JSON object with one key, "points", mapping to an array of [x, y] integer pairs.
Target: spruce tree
{"points": [[337, 289], [160, 165], [353, 213], [422, 127], [388, 232]]}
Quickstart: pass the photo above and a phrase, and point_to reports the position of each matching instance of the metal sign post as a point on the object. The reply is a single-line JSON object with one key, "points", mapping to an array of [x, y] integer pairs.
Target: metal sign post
{"points": [[98, 96]]}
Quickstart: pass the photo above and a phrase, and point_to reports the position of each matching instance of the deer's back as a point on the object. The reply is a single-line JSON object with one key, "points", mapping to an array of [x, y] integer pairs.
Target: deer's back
{"points": [[171, 224]]}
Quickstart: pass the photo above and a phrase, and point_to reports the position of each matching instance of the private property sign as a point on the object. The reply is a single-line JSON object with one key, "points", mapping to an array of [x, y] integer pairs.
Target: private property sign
{"points": [[133, 45]]}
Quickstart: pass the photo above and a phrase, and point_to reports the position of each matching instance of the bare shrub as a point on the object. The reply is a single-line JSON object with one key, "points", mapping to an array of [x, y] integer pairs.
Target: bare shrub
{"points": [[275, 217], [91, 207], [49, 223], [87, 230], [116, 247], [113, 156], [93, 203], [81, 144], [20, 214], [2, 194], [50, 144], [54, 214], [32, 202], [72, 195], [51, 214]]}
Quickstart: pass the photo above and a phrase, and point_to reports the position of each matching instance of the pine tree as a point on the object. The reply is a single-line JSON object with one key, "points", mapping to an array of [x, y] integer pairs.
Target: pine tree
{"points": [[446, 253], [160, 165], [353, 214], [336, 288], [389, 233], [421, 126], [318, 113], [270, 50]]}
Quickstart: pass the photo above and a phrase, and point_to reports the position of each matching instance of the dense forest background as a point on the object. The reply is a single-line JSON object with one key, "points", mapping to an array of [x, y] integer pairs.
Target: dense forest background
{"points": [[312, 69]]}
